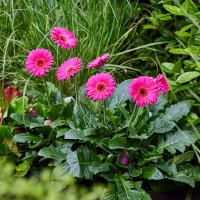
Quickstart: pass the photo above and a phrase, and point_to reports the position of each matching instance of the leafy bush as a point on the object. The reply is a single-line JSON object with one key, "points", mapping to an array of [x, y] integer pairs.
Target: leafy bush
{"points": [[48, 185]]}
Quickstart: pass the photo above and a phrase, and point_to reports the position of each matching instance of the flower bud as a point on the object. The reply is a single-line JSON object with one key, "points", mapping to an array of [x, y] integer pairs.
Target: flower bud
{"points": [[47, 122], [124, 158], [68, 100]]}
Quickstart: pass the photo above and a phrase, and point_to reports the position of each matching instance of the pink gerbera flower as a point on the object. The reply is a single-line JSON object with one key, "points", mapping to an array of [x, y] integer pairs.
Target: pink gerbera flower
{"points": [[144, 91], [63, 37], [69, 68], [100, 87], [99, 61], [39, 61], [162, 83]]}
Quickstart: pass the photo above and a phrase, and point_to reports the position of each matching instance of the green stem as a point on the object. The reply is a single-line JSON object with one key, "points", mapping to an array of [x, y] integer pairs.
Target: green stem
{"points": [[194, 94], [48, 97], [104, 113], [196, 153], [195, 130], [138, 114], [85, 118], [76, 89], [131, 119], [61, 91]]}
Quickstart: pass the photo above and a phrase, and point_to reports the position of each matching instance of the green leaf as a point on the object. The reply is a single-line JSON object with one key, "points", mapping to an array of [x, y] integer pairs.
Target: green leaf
{"points": [[75, 134], [6, 132], [178, 51], [52, 152], [176, 141], [22, 169], [149, 26], [161, 125], [177, 111], [61, 132], [89, 131], [120, 95], [18, 105], [189, 6], [152, 173], [174, 10], [25, 119], [27, 137], [55, 111], [194, 50], [185, 157], [84, 163], [118, 142], [177, 67], [128, 190], [187, 76], [162, 100], [167, 67], [180, 177], [110, 192], [164, 17], [185, 28], [183, 34], [190, 170]]}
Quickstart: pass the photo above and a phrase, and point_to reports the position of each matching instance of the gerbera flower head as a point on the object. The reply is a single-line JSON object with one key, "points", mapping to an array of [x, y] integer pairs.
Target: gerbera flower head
{"points": [[99, 61], [100, 86], [162, 83], [144, 91], [69, 68], [39, 61], [63, 37]]}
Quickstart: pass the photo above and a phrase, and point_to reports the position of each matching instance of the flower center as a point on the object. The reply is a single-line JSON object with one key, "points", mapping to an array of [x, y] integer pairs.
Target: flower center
{"points": [[62, 38], [40, 62], [143, 92], [100, 87], [70, 70]]}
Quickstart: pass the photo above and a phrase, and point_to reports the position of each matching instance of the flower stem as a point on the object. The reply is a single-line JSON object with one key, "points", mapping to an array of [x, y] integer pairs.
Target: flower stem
{"points": [[104, 113], [48, 97], [61, 91], [131, 119], [76, 90], [85, 118]]}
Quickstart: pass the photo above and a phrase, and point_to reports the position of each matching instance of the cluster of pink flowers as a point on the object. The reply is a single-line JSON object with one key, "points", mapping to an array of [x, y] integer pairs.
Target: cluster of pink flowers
{"points": [[144, 90], [39, 61]]}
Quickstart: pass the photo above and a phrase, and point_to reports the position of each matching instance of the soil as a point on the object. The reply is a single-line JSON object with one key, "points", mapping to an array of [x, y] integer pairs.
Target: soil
{"points": [[179, 194]]}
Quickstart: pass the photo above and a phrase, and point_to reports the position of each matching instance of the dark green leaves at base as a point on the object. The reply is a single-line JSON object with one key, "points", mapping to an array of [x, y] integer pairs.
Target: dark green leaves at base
{"points": [[129, 190], [84, 163], [176, 141]]}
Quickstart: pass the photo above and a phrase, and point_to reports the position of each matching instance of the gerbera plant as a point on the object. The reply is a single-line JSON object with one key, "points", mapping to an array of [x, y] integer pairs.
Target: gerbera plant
{"points": [[138, 137]]}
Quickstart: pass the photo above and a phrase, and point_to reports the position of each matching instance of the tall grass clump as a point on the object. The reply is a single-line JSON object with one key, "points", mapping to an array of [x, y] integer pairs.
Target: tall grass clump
{"points": [[100, 26]]}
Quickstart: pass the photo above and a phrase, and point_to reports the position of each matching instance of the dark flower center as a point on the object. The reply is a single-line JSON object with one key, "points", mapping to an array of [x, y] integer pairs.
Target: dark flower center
{"points": [[143, 92], [70, 70], [62, 38], [40, 62], [100, 87]]}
